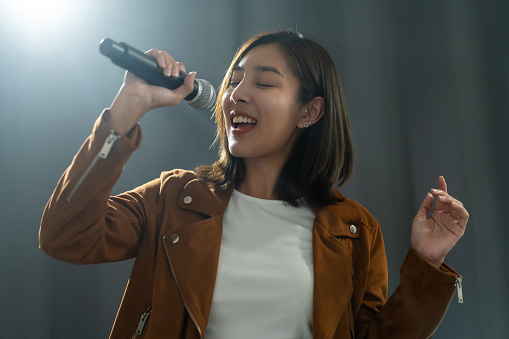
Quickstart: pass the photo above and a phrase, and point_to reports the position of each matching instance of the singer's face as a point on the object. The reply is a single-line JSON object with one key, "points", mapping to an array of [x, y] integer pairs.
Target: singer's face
{"points": [[260, 107]]}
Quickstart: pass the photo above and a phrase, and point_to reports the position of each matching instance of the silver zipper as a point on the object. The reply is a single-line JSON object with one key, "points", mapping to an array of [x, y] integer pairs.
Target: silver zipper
{"points": [[142, 322], [180, 289], [103, 154], [459, 289]]}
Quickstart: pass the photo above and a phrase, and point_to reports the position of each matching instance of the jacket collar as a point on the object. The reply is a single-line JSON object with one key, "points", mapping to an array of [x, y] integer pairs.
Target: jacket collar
{"points": [[336, 219], [202, 200]]}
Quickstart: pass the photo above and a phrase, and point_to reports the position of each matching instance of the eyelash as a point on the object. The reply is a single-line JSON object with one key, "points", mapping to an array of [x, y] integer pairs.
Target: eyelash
{"points": [[233, 84]]}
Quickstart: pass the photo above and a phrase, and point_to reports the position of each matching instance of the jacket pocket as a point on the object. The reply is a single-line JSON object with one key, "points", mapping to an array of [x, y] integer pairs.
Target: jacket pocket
{"points": [[346, 234], [141, 324], [346, 242]]}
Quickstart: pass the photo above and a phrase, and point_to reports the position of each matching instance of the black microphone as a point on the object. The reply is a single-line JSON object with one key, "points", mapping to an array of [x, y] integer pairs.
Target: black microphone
{"points": [[145, 66]]}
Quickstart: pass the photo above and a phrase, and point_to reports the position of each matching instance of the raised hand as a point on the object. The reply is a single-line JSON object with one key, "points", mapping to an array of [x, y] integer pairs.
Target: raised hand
{"points": [[136, 97], [435, 236]]}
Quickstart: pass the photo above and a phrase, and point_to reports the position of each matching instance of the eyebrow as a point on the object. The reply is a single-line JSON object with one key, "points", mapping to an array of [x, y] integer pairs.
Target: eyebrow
{"points": [[260, 69]]}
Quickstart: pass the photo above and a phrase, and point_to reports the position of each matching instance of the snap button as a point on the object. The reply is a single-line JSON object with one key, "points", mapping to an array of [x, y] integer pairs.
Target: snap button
{"points": [[353, 229], [175, 238], [188, 200]]}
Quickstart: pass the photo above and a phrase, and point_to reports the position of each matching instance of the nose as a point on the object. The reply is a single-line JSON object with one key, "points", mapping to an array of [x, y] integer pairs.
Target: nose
{"points": [[239, 93]]}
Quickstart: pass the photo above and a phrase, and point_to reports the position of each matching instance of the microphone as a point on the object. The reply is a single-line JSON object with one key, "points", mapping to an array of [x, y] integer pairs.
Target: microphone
{"points": [[145, 66]]}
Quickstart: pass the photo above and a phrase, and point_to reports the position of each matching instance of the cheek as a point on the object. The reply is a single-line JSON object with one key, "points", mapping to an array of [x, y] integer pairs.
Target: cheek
{"points": [[284, 111], [225, 103], [225, 100]]}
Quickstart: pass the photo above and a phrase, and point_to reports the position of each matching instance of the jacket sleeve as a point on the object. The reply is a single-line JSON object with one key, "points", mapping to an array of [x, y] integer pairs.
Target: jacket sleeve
{"points": [[81, 223], [416, 307]]}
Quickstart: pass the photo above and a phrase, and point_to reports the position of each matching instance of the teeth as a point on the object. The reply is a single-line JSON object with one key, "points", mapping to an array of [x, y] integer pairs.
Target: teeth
{"points": [[243, 120]]}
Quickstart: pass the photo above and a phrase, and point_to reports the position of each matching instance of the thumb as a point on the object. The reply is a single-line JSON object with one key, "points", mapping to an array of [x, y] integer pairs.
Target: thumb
{"points": [[425, 207]]}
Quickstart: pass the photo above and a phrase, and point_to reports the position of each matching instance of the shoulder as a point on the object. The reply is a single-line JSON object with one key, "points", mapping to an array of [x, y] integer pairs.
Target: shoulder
{"points": [[177, 178], [183, 184], [179, 181], [347, 212]]}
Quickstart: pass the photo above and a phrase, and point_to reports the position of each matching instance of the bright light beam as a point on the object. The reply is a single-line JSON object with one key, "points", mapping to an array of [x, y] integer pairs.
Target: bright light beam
{"points": [[36, 17]]}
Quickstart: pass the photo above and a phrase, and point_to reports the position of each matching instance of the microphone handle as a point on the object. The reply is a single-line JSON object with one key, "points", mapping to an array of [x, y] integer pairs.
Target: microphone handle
{"points": [[143, 65]]}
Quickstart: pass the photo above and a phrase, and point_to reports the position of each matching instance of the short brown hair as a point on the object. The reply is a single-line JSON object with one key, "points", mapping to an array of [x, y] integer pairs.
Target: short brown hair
{"points": [[322, 156]]}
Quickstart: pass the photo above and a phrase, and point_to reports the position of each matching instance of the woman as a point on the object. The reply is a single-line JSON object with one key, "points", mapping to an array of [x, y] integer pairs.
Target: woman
{"points": [[260, 244]]}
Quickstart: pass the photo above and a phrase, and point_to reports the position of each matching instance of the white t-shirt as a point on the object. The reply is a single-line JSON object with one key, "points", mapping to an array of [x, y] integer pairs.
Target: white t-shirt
{"points": [[264, 284]]}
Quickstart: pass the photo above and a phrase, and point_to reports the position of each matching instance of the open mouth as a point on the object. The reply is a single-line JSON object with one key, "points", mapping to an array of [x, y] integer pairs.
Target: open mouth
{"points": [[240, 122]]}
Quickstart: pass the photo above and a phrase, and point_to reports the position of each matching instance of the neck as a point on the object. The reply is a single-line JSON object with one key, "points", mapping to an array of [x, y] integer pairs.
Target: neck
{"points": [[260, 179]]}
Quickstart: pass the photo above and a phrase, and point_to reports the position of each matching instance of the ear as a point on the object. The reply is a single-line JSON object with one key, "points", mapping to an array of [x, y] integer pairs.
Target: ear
{"points": [[312, 112]]}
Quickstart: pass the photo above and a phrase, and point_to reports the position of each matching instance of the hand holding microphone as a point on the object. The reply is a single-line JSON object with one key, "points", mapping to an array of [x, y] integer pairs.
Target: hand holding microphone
{"points": [[136, 99]]}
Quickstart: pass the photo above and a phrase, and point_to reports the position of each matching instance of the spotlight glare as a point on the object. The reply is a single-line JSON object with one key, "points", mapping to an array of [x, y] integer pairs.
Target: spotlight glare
{"points": [[35, 16]]}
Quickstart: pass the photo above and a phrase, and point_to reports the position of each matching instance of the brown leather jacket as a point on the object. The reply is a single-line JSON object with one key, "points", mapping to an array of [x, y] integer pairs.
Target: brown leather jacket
{"points": [[173, 227]]}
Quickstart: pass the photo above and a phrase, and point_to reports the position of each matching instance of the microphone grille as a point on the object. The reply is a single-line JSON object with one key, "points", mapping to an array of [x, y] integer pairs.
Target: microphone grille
{"points": [[206, 96]]}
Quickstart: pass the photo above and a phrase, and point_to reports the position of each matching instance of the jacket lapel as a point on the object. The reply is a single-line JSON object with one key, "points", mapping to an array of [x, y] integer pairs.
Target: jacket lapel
{"points": [[193, 249], [332, 282], [333, 267]]}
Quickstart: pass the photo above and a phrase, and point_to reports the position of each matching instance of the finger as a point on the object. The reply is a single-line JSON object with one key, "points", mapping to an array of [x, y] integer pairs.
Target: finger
{"points": [[437, 193], [445, 203], [171, 64], [181, 67], [164, 61], [455, 210], [456, 201], [161, 60], [425, 207], [187, 87], [157, 54], [439, 204], [463, 215], [172, 68], [460, 214], [442, 184], [175, 70]]}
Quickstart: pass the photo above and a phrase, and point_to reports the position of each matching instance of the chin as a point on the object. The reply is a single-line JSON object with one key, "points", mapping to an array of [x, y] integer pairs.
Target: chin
{"points": [[237, 153], [240, 152], [234, 148]]}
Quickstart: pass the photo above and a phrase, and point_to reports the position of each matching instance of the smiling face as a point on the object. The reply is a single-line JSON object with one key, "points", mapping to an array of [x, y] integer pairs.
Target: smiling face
{"points": [[313, 159], [260, 106]]}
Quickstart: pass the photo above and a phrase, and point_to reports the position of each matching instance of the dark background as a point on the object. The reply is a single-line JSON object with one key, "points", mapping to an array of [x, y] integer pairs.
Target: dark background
{"points": [[427, 87]]}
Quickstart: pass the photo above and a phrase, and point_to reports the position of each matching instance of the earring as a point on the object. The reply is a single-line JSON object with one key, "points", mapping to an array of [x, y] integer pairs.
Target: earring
{"points": [[307, 124]]}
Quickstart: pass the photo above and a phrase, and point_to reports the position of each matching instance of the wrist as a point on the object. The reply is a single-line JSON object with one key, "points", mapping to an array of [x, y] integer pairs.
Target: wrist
{"points": [[126, 111], [433, 260]]}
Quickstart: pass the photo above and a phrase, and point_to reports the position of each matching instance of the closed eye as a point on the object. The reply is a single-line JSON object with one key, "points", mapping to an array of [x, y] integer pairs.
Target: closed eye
{"points": [[264, 85]]}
